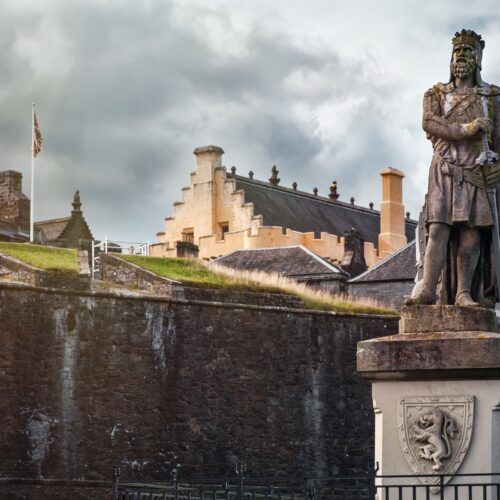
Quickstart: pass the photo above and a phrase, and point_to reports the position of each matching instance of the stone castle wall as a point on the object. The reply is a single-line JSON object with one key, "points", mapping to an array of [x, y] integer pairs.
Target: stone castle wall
{"points": [[92, 380]]}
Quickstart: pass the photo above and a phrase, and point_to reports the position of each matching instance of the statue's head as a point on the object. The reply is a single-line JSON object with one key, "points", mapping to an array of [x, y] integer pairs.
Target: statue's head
{"points": [[467, 55]]}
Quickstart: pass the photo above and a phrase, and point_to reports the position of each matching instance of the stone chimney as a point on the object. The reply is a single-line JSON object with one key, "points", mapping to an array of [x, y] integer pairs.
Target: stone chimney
{"points": [[14, 205], [208, 158], [392, 214], [353, 260]]}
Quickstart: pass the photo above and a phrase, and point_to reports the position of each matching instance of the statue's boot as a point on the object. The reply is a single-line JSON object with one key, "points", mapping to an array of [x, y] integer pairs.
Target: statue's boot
{"points": [[464, 299], [424, 297]]}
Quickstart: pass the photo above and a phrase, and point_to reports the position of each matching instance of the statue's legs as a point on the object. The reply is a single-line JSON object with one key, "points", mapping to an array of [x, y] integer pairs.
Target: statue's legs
{"points": [[467, 258], [435, 255]]}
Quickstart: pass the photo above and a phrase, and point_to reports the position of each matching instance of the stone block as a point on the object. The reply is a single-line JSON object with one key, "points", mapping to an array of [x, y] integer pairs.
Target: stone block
{"points": [[430, 319]]}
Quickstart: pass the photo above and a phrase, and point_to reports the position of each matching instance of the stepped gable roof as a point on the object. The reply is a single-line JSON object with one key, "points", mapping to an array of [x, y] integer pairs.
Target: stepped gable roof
{"points": [[398, 266], [305, 212], [52, 228], [289, 261], [70, 230]]}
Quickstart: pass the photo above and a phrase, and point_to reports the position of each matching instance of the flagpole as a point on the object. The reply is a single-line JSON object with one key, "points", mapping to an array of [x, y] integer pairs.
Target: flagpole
{"points": [[32, 204]]}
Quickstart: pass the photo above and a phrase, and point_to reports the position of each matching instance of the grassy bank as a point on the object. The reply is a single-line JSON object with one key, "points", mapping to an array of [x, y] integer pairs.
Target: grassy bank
{"points": [[49, 259], [197, 272]]}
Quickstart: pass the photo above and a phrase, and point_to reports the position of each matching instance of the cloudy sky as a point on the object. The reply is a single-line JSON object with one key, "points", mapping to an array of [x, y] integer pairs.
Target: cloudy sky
{"points": [[125, 90]]}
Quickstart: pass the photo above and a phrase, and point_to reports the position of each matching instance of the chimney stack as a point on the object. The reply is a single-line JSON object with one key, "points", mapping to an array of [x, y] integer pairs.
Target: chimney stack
{"points": [[392, 216], [208, 158]]}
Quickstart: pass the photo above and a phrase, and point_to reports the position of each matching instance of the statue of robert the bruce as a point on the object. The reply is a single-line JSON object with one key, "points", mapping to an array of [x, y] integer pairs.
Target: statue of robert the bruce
{"points": [[461, 119]]}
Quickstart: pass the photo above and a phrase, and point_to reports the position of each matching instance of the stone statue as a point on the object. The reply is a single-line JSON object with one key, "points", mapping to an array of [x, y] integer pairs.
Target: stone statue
{"points": [[461, 118]]}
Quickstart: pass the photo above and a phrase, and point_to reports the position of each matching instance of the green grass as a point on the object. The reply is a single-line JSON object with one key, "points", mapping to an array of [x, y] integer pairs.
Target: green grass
{"points": [[192, 271], [199, 274], [50, 259]]}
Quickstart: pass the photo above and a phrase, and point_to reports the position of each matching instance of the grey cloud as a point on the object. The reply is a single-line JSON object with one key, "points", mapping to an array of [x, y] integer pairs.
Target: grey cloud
{"points": [[134, 86]]}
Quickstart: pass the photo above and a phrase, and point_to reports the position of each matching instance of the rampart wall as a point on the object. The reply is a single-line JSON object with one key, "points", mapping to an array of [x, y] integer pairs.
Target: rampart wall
{"points": [[92, 380]]}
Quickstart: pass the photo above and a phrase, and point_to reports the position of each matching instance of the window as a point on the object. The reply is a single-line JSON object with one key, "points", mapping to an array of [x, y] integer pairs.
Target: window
{"points": [[223, 229], [188, 236]]}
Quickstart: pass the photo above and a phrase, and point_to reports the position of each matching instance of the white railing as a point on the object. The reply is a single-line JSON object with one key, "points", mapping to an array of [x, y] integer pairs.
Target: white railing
{"points": [[114, 246]]}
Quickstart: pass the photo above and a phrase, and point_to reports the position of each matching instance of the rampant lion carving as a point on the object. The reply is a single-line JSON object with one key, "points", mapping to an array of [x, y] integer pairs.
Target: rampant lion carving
{"points": [[435, 428]]}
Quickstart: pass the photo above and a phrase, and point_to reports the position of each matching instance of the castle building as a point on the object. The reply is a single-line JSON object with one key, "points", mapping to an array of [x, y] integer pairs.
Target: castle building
{"points": [[69, 232], [14, 208], [221, 212]]}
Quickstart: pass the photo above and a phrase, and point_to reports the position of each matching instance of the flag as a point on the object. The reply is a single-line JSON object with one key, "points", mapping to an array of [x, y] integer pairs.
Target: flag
{"points": [[37, 137]]}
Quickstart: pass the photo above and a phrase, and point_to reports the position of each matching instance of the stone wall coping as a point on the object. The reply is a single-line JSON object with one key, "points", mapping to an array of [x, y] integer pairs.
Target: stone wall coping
{"points": [[20, 263], [141, 269], [438, 355], [90, 483], [158, 298]]}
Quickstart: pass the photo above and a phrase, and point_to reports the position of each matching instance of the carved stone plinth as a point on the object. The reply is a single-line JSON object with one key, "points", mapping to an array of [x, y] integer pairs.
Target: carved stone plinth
{"points": [[436, 392]]}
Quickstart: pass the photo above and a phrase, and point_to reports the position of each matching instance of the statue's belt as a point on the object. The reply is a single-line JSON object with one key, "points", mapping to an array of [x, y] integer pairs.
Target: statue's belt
{"points": [[472, 175]]}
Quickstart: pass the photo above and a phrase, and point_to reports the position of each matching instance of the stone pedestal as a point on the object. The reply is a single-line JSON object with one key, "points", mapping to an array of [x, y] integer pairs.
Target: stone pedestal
{"points": [[436, 394]]}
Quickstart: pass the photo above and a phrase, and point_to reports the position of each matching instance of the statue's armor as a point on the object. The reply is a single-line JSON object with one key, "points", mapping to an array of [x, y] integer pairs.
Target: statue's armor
{"points": [[456, 192]]}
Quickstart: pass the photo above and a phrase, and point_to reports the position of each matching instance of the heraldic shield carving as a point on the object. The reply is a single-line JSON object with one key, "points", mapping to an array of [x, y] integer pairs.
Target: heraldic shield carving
{"points": [[435, 433]]}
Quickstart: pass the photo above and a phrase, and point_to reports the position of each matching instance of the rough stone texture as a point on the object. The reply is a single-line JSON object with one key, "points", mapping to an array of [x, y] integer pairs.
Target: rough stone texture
{"points": [[435, 342], [430, 319], [31, 489], [116, 270], [14, 205], [88, 381], [389, 293], [119, 271], [431, 355], [15, 270], [12, 269]]}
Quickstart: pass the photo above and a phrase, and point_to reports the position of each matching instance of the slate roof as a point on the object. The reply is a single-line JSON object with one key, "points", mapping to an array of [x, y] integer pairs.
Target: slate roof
{"points": [[9, 231], [399, 266], [305, 212], [289, 261], [52, 228]]}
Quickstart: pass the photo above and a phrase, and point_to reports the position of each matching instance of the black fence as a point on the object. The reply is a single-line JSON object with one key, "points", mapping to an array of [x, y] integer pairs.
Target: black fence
{"points": [[370, 487]]}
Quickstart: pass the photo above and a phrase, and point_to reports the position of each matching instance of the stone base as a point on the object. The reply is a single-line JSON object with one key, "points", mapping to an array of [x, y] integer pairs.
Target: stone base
{"points": [[436, 386], [431, 319], [483, 454], [435, 342]]}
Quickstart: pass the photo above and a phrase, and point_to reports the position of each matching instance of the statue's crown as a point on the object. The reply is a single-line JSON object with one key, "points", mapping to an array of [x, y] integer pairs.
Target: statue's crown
{"points": [[468, 37]]}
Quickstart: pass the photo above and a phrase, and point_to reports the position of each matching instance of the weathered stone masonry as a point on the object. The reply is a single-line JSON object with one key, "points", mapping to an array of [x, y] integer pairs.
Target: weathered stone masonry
{"points": [[88, 381]]}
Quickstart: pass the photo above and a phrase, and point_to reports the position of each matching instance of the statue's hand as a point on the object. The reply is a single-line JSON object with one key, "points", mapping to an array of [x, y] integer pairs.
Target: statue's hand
{"points": [[492, 174], [484, 125]]}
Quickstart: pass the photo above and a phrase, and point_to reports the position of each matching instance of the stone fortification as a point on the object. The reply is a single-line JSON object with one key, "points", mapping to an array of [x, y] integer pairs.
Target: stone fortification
{"points": [[121, 272], [91, 380]]}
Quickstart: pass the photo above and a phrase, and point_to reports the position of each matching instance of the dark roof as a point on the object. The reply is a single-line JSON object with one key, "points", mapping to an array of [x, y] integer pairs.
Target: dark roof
{"points": [[305, 212], [10, 231], [289, 261], [397, 267], [52, 228]]}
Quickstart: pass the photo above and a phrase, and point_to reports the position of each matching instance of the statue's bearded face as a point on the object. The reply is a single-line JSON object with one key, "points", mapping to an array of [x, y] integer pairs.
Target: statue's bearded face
{"points": [[463, 62]]}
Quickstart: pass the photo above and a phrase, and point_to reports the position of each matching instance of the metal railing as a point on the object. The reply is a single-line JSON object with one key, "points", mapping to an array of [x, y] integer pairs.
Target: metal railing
{"points": [[114, 246], [369, 487]]}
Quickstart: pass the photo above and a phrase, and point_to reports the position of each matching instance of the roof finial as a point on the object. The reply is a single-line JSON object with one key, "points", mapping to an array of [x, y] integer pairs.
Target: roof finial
{"points": [[233, 170], [250, 175], [315, 191], [294, 186], [274, 180], [352, 200], [76, 201], [408, 215], [333, 191], [371, 205]]}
